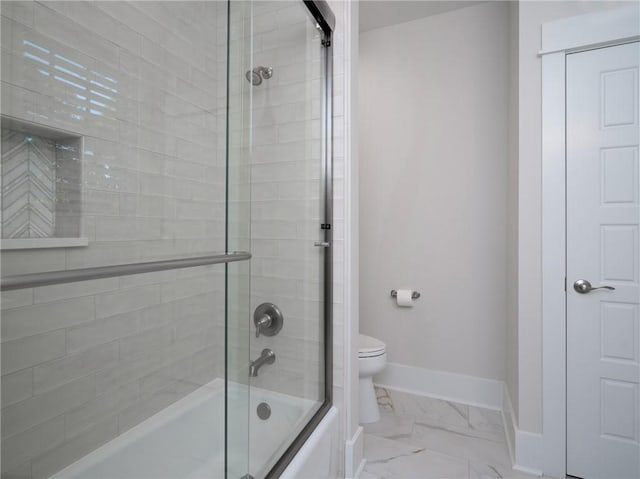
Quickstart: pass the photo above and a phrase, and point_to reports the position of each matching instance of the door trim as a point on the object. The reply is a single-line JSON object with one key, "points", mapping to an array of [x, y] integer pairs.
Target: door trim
{"points": [[559, 38]]}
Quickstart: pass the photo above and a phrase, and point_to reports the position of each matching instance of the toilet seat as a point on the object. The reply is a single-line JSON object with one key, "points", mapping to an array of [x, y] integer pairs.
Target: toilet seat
{"points": [[369, 347]]}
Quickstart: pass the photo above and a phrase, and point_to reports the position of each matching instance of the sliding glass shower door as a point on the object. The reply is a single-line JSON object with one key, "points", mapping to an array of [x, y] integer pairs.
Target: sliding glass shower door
{"points": [[279, 148]]}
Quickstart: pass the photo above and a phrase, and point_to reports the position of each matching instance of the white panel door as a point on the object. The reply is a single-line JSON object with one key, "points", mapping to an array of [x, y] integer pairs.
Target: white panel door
{"points": [[603, 329]]}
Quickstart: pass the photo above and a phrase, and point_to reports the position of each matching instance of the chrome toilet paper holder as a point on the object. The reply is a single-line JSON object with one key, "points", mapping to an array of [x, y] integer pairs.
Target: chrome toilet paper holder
{"points": [[414, 294]]}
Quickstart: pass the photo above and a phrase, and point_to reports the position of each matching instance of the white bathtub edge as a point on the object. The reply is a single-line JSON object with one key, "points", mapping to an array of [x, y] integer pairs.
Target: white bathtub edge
{"points": [[314, 459]]}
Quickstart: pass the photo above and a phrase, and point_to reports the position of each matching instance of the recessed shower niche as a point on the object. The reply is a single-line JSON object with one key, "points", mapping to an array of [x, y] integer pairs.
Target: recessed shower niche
{"points": [[41, 177]]}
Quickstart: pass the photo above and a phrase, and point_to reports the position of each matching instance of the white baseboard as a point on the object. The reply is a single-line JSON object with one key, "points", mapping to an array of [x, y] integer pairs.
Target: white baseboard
{"points": [[486, 393], [354, 455], [528, 452], [527, 470], [525, 448]]}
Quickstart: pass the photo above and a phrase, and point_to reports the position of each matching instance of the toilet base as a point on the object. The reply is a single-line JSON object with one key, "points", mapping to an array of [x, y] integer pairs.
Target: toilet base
{"points": [[369, 410]]}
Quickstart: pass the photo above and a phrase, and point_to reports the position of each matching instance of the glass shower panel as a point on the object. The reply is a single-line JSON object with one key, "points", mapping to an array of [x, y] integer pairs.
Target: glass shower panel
{"points": [[113, 152], [238, 239], [275, 72]]}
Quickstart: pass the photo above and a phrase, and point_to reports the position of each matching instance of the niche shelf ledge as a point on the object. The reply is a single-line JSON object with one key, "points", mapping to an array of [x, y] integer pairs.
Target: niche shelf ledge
{"points": [[42, 243]]}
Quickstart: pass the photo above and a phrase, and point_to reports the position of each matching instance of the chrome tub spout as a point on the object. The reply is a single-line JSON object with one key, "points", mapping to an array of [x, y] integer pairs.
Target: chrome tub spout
{"points": [[267, 357]]}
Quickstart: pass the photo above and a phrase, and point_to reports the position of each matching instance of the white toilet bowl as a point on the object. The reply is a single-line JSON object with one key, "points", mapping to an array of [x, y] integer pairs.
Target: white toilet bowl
{"points": [[372, 358]]}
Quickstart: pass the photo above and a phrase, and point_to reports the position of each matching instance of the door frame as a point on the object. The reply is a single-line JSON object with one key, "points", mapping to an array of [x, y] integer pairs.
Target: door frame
{"points": [[559, 38]]}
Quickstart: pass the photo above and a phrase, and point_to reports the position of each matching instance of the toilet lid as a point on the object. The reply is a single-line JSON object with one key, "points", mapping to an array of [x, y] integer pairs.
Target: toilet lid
{"points": [[368, 346]]}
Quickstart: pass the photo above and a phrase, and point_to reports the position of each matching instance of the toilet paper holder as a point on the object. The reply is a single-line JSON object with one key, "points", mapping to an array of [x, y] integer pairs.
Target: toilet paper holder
{"points": [[414, 294]]}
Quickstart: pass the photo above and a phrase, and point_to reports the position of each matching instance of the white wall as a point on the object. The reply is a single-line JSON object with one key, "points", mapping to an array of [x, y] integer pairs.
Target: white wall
{"points": [[433, 189], [531, 16]]}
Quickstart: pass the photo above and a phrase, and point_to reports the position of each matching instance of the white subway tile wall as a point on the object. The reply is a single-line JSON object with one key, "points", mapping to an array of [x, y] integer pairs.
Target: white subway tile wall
{"points": [[143, 84]]}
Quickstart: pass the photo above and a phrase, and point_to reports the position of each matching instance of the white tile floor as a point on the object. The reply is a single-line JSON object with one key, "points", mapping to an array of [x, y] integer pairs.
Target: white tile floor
{"points": [[419, 437]]}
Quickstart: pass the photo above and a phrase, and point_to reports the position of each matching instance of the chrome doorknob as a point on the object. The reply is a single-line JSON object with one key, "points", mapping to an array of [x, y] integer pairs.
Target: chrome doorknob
{"points": [[583, 286]]}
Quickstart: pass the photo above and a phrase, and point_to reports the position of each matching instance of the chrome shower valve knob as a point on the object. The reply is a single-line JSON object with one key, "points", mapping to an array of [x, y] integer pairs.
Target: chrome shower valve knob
{"points": [[268, 319]]}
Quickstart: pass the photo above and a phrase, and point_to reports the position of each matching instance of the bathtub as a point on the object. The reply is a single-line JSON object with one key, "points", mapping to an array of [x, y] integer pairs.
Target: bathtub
{"points": [[186, 440]]}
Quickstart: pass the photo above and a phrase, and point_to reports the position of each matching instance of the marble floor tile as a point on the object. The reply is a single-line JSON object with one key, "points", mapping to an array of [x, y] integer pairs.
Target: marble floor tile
{"points": [[419, 437], [495, 471], [470, 420], [486, 423], [380, 449], [391, 426], [424, 409], [391, 459], [459, 444], [368, 475]]}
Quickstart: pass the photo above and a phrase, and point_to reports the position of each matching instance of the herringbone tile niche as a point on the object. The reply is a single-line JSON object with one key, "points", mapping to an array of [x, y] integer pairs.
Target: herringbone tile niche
{"points": [[40, 177]]}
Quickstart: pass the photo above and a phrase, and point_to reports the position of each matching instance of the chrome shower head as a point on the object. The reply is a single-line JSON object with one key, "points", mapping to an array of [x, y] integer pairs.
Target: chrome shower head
{"points": [[256, 75]]}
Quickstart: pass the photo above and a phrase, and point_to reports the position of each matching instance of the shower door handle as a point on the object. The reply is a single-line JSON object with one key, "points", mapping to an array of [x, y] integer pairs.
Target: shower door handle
{"points": [[322, 244]]}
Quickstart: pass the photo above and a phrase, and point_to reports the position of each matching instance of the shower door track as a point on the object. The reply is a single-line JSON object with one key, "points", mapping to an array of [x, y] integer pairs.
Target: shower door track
{"points": [[48, 278]]}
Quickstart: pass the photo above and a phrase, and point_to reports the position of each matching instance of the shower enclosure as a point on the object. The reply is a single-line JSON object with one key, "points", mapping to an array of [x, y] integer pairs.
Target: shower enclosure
{"points": [[166, 236]]}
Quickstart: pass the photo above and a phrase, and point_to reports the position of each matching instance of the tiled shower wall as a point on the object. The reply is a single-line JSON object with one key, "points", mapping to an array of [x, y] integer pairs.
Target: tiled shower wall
{"points": [[141, 82], [286, 201]]}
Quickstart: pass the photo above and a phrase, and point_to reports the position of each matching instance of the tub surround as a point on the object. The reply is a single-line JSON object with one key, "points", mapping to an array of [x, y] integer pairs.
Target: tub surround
{"points": [[145, 169]]}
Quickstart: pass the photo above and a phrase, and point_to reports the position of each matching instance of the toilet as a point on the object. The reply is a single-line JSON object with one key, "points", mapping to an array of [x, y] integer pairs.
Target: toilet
{"points": [[372, 358]]}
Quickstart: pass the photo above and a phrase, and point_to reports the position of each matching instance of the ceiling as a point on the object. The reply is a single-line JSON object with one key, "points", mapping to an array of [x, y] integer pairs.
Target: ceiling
{"points": [[382, 13]]}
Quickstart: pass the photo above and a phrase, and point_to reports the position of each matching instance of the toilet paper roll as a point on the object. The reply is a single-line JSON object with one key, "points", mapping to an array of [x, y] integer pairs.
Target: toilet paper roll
{"points": [[404, 298]]}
